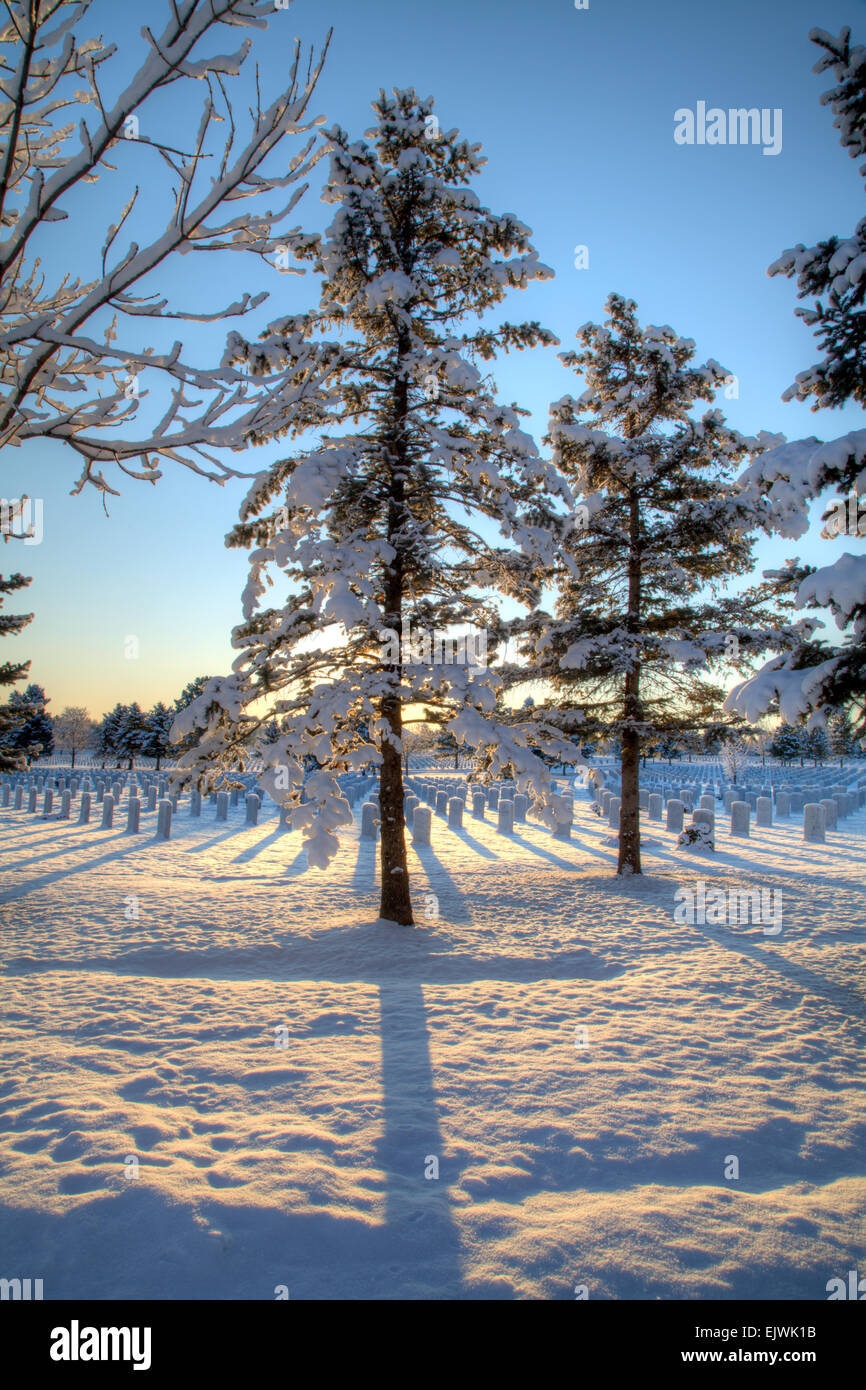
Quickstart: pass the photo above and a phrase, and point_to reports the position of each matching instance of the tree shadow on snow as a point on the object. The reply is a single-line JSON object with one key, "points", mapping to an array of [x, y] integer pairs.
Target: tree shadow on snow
{"points": [[142, 1244], [136, 1243], [451, 899], [850, 1005]]}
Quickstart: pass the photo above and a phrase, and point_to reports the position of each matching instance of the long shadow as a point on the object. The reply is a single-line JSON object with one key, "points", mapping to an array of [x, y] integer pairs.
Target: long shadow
{"points": [[727, 856], [132, 843], [364, 875], [471, 841], [39, 858], [577, 839], [452, 899], [298, 865], [215, 839], [543, 853], [800, 975], [411, 1152], [74, 830], [264, 844]]}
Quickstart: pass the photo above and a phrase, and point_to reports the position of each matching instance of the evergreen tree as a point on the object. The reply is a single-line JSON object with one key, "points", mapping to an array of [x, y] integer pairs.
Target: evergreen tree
{"points": [[32, 734], [814, 676], [130, 734], [842, 740], [669, 747], [835, 269], [447, 747], [191, 691], [787, 744], [12, 756], [817, 745], [100, 743], [640, 625], [156, 725], [106, 741], [380, 525]]}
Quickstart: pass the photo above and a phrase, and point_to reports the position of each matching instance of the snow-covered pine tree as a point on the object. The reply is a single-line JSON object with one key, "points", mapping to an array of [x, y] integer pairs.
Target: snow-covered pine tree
{"points": [[108, 736], [842, 740], [446, 748], [380, 518], [640, 622], [817, 745], [32, 733], [103, 740], [815, 678], [128, 732], [191, 691], [12, 757], [156, 727], [788, 743]]}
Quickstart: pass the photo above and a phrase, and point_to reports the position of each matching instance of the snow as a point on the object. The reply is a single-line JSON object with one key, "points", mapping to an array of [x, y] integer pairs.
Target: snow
{"points": [[797, 690], [841, 587], [559, 1163], [793, 474]]}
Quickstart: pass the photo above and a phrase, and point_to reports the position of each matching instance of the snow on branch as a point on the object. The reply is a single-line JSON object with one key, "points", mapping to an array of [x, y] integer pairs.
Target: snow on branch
{"points": [[62, 340]]}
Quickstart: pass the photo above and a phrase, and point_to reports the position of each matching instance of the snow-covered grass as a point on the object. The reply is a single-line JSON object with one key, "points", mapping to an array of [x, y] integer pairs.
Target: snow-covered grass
{"points": [[152, 1037]]}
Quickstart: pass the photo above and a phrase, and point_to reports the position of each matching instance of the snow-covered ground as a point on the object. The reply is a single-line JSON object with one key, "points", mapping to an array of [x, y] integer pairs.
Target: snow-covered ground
{"points": [[143, 983]]}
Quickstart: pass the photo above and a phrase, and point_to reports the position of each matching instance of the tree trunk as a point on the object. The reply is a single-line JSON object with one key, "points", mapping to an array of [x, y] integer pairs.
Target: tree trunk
{"points": [[629, 812], [395, 902], [73, 755], [158, 760]]}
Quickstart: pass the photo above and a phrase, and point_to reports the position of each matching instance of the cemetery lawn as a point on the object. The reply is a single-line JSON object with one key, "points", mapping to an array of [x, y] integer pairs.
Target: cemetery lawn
{"points": [[454, 1046]]}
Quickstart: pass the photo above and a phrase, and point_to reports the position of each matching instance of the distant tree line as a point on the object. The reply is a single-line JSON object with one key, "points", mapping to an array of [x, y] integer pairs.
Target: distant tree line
{"points": [[793, 743], [125, 733]]}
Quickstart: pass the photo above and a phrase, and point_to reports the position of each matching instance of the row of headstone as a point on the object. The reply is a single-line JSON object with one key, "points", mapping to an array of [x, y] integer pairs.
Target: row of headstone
{"points": [[451, 803], [110, 801], [820, 816]]}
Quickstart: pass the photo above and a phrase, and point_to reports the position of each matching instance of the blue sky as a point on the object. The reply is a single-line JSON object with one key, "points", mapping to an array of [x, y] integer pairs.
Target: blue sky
{"points": [[575, 112]]}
